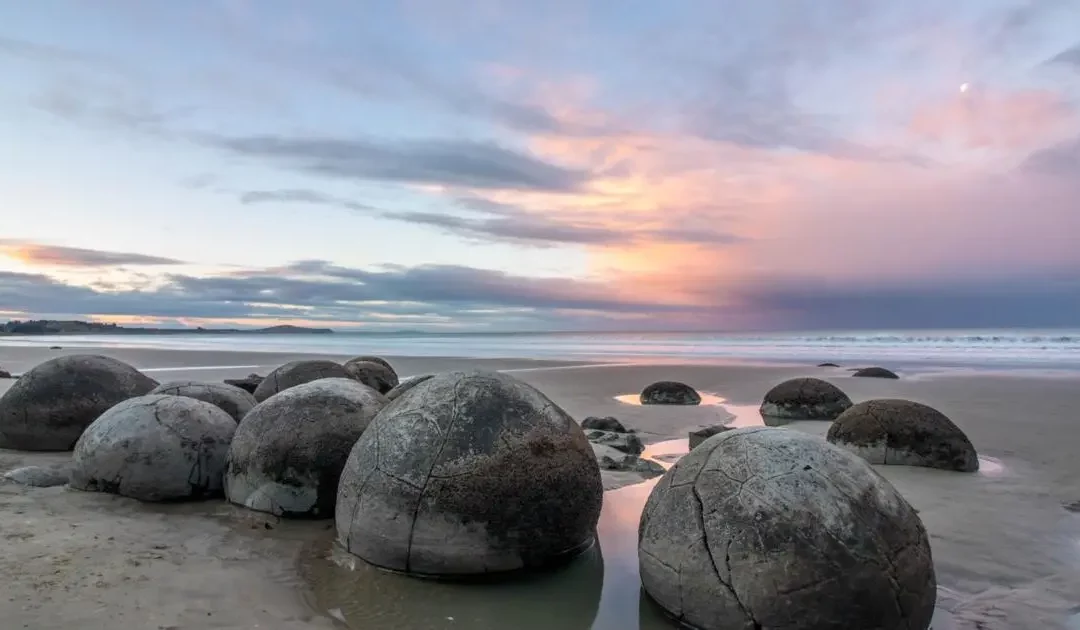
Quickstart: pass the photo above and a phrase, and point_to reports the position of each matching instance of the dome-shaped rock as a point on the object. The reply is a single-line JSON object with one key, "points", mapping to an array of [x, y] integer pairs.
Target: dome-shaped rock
{"points": [[155, 448], [375, 375], [805, 399], [669, 393], [875, 372], [372, 359], [607, 423], [288, 452], [297, 373], [906, 433], [232, 400], [469, 473], [406, 385], [774, 528], [53, 403]]}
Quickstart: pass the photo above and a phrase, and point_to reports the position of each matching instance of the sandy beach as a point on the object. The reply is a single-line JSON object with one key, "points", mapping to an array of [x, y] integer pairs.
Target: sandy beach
{"points": [[1005, 546]]}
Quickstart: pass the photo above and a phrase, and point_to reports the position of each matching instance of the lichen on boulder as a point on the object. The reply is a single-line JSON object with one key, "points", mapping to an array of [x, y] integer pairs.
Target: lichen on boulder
{"points": [[805, 399]]}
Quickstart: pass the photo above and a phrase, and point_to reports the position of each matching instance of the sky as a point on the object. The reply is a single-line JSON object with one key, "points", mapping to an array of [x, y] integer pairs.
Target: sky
{"points": [[501, 165]]}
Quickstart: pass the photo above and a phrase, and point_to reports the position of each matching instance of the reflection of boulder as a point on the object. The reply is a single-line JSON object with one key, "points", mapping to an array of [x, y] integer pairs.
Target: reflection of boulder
{"points": [[761, 511], [297, 373], [875, 372], [613, 459], [232, 400], [607, 423], [804, 399], [700, 435], [906, 433], [625, 442], [670, 393], [40, 476], [375, 375], [249, 383], [406, 385]]}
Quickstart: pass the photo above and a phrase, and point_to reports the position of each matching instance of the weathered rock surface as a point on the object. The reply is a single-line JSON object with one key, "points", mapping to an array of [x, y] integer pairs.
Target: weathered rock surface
{"points": [[906, 433], [50, 406], [759, 512], [375, 375], [249, 383], [625, 442], [700, 435], [297, 373], [875, 372], [288, 452], [469, 473], [805, 399], [373, 359], [40, 476], [609, 458], [155, 448], [669, 393], [607, 423], [232, 400]]}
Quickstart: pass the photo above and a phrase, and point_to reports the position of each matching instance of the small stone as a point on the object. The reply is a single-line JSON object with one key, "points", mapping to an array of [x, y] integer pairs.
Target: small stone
{"points": [[609, 458], [670, 393], [625, 442], [607, 423], [700, 435]]}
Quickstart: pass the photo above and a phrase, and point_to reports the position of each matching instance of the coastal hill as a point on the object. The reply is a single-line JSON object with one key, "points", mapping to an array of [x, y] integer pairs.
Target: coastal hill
{"points": [[57, 327]]}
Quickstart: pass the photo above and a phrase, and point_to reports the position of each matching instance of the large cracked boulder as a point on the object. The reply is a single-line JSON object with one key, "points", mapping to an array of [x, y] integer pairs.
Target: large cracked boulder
{"points": [[297, 373], [50, 406], [288, 452], [773, 528], [232, 400], [155, 448], [669, 393], [906, 433], [469, 473], [406, 385], [805, 399], [875, 372], [375, 375]]}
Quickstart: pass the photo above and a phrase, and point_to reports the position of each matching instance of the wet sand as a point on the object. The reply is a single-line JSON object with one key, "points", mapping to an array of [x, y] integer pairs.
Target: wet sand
{"points": [[1007, 551]]}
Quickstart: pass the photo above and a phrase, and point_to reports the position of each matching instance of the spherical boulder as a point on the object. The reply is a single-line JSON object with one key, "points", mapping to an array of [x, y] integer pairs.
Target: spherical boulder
{"points": [[805, 399], [375, 375], [669, 393], [774, 528], [230, 399], [53, 403], [288, 452], [155, 448], [297, 373], [906, 433], [875, 372], [406, 385], [372, 359], [469, 473]]}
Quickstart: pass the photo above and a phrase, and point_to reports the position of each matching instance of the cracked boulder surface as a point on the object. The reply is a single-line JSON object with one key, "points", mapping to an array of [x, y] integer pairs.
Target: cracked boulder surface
{"points": [[904, 433], [375, 375], [768, 528], [297, 373], [469, 474], [288, 452], [406, 385], [805, 399], [232, 400], [155, 448], [875, 372], [50, 406], [669, 393]]}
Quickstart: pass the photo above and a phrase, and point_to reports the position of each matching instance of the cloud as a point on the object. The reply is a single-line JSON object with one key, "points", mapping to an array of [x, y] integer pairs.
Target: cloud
{"points": [[38, 254], [1060, 159], [1068, 57], [300, 195]]}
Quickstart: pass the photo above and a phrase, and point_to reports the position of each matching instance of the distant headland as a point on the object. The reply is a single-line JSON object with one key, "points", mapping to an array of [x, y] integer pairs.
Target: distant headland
{"points": [[57, 327]]}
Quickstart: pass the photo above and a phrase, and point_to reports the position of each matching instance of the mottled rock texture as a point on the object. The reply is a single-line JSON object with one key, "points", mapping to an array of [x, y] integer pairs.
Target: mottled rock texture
{"points": [[155, 448], [375, 375], [875, 372], [469, 473], [805, 399], [249, 383], [607, 423], [297, 373], [232, 400], [906, 433], [288, 452], [406, 385], [772, 528], [669, 393], [50, 406]]}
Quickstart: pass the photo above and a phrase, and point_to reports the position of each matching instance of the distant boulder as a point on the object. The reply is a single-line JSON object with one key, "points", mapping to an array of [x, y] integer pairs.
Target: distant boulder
{"points": [[805, 399], [372, 359], [230, 399], [375, 375], [297, 373], [670, 393], [875, 372], [607, 423], [827, 365], [249, 383], [406, 385]]}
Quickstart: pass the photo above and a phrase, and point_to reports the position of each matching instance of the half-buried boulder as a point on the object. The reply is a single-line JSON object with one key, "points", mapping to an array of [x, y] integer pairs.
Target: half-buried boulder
{"points": [[288, 452], [155, 448], [372, 359], [669, 393], [375, 375], [406, 385], [805, 399], [232, 400], [469, 473], [607, 423], [875, 372], [759, 511], [297, 373], [700, 435], [906, 433], [50, 406]]}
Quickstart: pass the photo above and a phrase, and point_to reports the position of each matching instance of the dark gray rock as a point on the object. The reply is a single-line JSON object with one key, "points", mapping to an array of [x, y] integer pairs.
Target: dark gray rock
{"points": [[609, 458], [1072, 507], [906, 433], [469, 473], [51, 405], [625, 442], [875, 372], [288, 452], [155, 448], [827, 365], [760, 511], [700, 435], [232, 400], [607, 423], [249, 383], [406, 385], [4, 373], [297, 373], [805, 399], [40, 476], [669, 393], [373, 359], [375, 375]]}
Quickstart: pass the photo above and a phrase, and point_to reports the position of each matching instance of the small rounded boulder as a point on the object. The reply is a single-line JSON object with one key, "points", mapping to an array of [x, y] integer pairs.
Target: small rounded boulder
{"points": [[469, 473], [375, 375], [297, 373], [755, 512], [50, 406], [373, 359], [155, 448], [805, 399], [670, 393], [288, 452], [232, 400], [875, 372], [905, 433]]}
